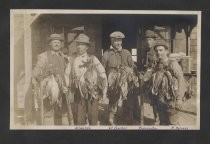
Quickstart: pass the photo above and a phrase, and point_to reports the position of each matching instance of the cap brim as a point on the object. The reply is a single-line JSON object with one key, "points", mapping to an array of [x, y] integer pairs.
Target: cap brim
{"points": [[82, 42]]}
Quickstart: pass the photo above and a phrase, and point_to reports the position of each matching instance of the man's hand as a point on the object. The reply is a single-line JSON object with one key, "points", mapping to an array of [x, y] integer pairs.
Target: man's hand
{"points": [[104, 99], [65, 89], [141, 75], [178, 104]]}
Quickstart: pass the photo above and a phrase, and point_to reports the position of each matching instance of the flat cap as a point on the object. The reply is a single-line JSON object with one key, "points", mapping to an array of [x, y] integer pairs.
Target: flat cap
{"points": [[117, 34], [160, 43], [149, 34], [83, 38], [55, 37]]}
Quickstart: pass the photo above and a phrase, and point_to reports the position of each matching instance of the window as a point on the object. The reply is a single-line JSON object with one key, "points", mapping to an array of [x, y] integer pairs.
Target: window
{"points": [[134, 54]]}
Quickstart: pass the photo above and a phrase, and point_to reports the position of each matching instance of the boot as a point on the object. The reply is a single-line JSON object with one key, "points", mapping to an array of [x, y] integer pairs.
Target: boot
{"points": [[157, 120]]}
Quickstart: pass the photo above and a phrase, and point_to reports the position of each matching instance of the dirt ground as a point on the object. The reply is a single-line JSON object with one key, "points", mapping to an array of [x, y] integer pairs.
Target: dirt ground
{"points": [[187, 115]]}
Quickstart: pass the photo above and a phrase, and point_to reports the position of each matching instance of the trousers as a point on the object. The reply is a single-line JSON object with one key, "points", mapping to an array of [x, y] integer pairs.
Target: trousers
{"points": [[167, 115], [130, 110], [85, 110]]}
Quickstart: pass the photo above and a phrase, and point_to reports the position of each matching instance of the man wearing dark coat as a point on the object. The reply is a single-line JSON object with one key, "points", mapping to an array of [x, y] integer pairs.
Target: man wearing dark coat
{"points": [[118, 61], [52, 62], [168, 86]]}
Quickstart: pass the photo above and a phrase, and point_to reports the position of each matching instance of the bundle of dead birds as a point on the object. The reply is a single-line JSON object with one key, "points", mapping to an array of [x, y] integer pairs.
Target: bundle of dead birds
{"points": [[91, 84], [120, 82], [162, 85], [51, 89]]}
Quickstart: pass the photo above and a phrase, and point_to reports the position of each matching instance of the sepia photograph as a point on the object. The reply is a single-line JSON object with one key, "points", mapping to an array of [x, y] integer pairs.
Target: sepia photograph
{"points": [[105, 69]]}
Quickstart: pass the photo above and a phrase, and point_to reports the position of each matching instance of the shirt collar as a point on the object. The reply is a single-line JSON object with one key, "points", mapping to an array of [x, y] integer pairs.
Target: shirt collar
{"points": [[55, 53], [83, 55], [112, 48]]}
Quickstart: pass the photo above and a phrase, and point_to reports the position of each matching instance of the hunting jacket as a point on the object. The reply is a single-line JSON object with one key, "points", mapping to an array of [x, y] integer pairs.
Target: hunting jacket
{"points": [[113, 60], [178, 76], [49, 61], [179, 84]]}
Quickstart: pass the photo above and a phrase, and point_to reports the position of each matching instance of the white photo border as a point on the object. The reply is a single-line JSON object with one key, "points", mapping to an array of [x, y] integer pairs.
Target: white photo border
{"points": [[91, 11]]}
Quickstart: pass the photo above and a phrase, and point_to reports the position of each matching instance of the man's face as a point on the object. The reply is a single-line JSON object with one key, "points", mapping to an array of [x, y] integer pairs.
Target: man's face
{"points": [[55, 45], [116, 43], [149, 42], [81, 48], [161, 52]]}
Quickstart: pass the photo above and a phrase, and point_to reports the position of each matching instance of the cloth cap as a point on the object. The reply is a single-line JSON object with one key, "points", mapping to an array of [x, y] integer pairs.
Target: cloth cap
{"points": [[160, 43], [55, 37], [117, 34], [83, 38], [150, 34]]}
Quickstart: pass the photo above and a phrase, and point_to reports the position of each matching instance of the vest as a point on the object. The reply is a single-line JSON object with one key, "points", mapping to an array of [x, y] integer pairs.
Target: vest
{"points": [[56, 63]]}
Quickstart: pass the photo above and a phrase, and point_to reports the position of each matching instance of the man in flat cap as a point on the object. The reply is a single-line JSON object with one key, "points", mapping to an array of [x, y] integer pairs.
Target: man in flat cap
{"points": [[148, 59], [49, 74], [117, 61], [149, 53], [88, 83], [168, 86]]}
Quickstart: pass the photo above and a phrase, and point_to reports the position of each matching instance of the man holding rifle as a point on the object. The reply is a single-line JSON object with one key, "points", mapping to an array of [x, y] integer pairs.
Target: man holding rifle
{"points": [[49, 74]]}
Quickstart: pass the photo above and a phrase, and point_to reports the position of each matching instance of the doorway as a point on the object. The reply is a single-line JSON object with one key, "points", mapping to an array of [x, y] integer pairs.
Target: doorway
{"points": [[123, 23]]}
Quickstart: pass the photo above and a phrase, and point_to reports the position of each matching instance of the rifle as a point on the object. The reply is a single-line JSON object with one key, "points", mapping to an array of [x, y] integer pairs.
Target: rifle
{"points": [[69, 110]]}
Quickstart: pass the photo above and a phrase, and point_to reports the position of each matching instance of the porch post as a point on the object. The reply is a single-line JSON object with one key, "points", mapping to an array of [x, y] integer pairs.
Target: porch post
{"points": [[28, 20], [27, 49]]}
